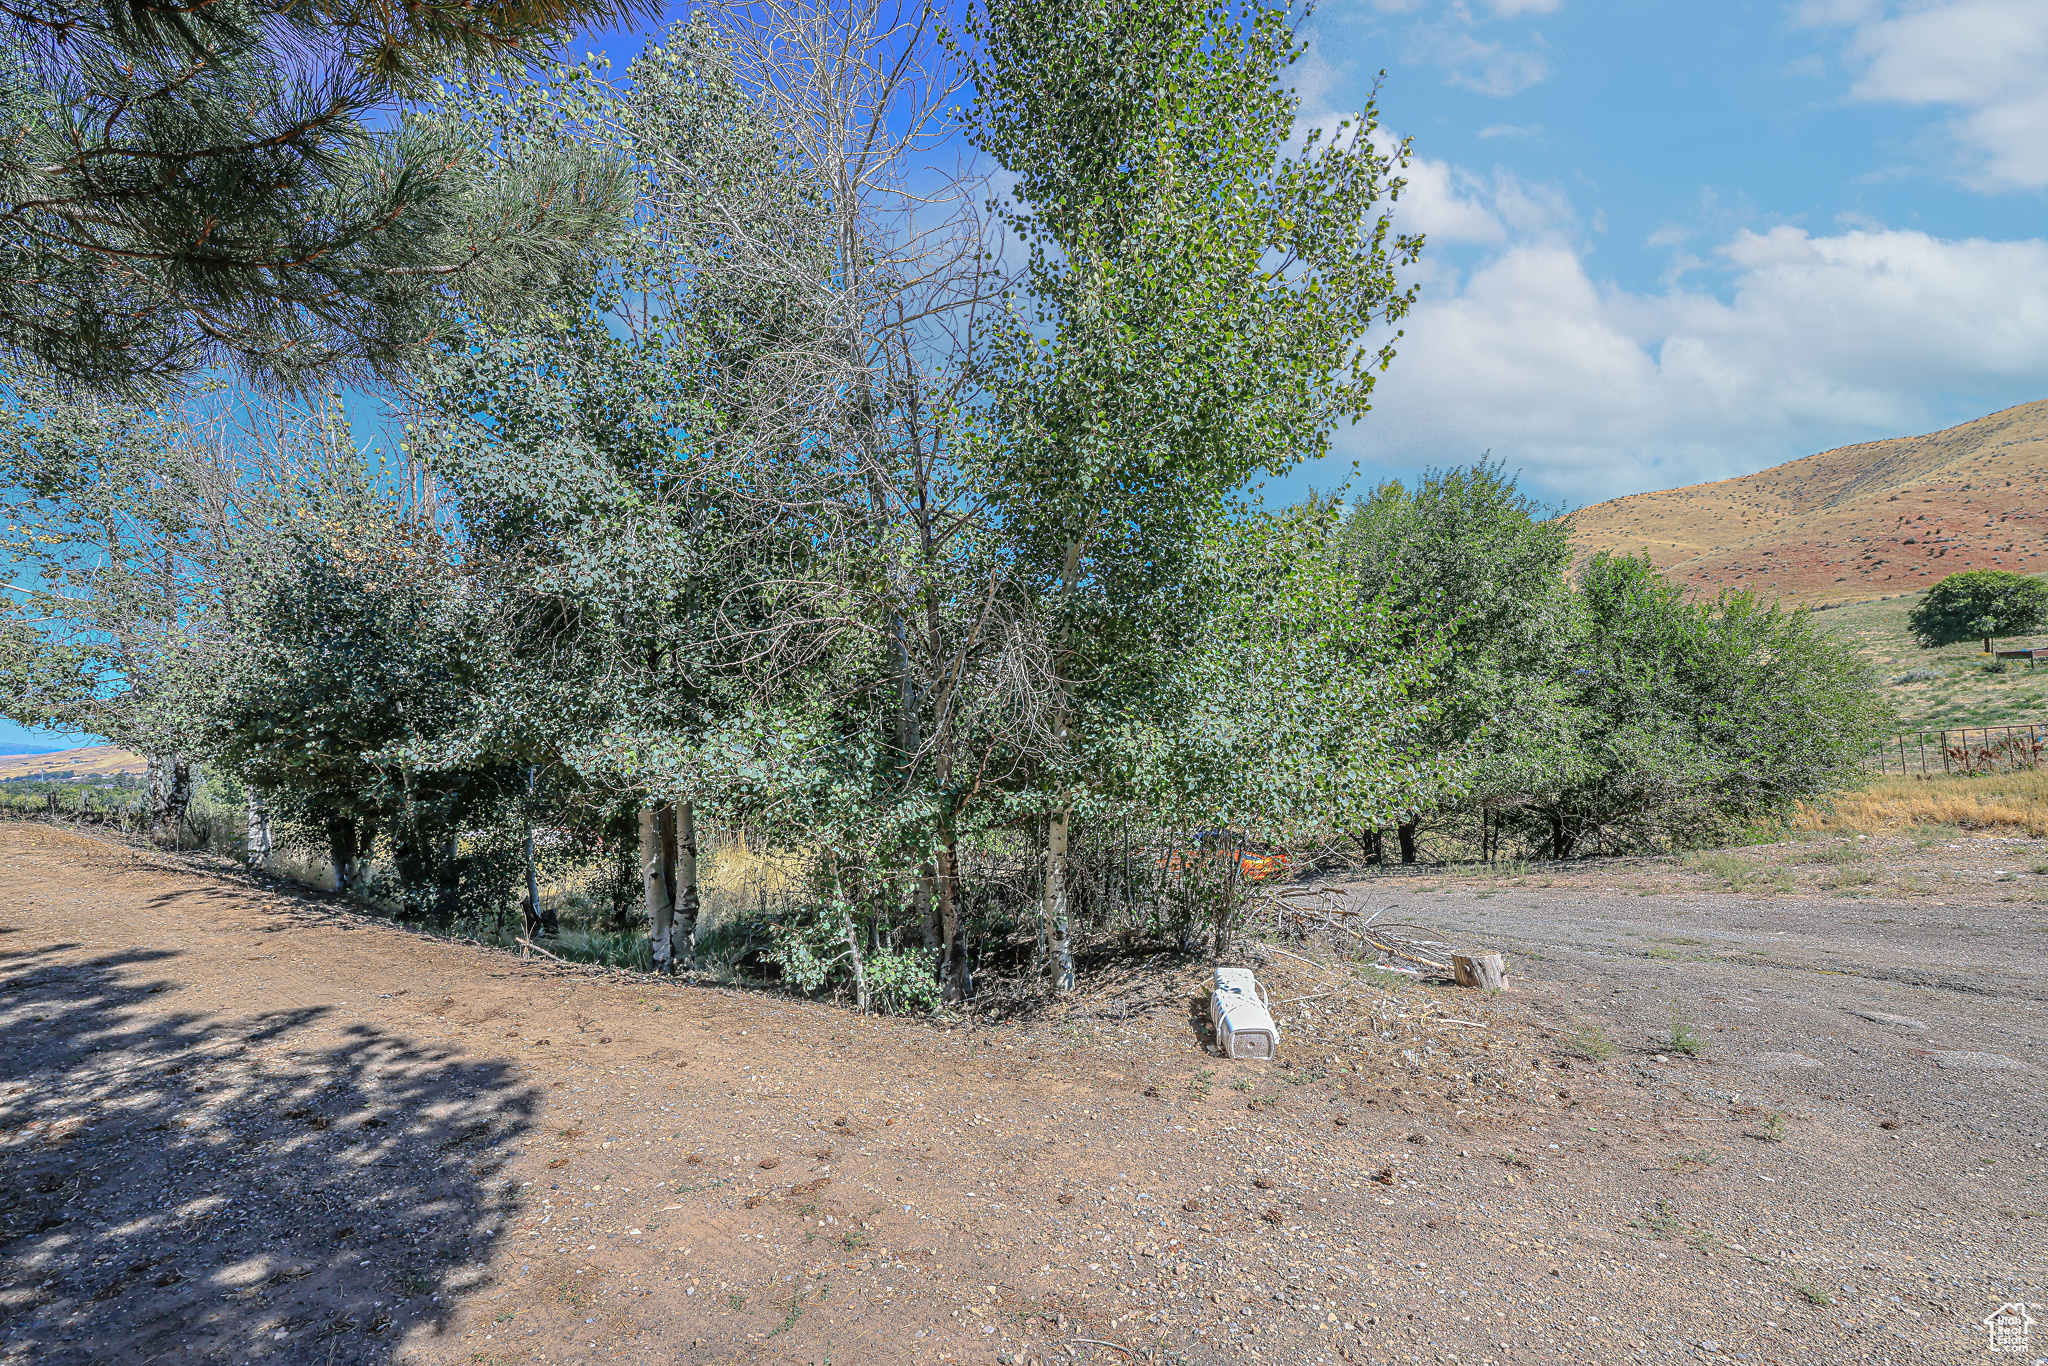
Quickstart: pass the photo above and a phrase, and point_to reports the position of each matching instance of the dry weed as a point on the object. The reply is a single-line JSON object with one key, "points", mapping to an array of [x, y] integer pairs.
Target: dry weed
{"points": [[1991, 801]]}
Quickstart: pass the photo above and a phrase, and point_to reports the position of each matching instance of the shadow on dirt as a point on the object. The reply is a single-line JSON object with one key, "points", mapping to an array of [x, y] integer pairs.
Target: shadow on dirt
{"points": [[184, 1187]]}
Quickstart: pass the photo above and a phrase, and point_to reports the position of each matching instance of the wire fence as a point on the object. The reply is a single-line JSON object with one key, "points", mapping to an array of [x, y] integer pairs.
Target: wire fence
{"points": [[1966, 749]]}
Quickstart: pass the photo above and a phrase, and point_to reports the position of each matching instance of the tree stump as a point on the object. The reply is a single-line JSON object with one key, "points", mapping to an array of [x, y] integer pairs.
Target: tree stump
{"points": [[1485, 971]]}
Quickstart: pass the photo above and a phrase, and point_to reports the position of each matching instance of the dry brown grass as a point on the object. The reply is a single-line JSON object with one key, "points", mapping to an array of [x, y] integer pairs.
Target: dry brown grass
{"points": [[736, 871], [2010, 802]]}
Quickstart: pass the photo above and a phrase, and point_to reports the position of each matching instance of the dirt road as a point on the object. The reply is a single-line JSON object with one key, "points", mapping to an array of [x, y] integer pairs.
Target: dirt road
{"points": [[242, 1125]]}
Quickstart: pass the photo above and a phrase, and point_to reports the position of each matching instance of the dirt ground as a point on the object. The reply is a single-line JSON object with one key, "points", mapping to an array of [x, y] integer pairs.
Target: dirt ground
{"points": [[241, 1124]]}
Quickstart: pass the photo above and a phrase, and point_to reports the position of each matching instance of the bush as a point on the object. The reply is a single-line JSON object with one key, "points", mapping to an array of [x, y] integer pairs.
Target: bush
{"points": [[1694, 719], [816, 953]]}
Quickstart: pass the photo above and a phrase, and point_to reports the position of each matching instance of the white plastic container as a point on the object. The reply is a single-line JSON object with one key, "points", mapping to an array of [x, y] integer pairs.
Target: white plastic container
{"points": [[1232, 984], [1245, 1029]]}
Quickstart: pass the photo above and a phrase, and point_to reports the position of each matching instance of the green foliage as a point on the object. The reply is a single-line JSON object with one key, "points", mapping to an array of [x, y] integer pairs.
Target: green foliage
{"points": [[1694, 718], [113, 522], [1287, 710], [1979, 604], [1464, 556], [903, 983], [245, 181], [814, 953], [808, 953], [1198, 290]]}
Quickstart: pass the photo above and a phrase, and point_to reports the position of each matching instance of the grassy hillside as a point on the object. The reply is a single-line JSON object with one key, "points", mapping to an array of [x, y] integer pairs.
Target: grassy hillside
{"points": [[97, 761], [1936, 689], [1853, 524]]}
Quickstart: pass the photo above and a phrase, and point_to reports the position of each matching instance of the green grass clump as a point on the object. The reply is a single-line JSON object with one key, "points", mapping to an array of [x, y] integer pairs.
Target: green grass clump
{"points": [[1685, 1034], [1591, 1044], [1736, 872]]}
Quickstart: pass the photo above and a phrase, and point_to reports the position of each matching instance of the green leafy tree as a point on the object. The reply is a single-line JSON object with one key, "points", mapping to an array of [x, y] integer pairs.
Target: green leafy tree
{"points": [[1979, 604], [1467, 556], [114, 510], [1289, 707], [337, 669], [1196, 295], [749, 574], [183, 185]]}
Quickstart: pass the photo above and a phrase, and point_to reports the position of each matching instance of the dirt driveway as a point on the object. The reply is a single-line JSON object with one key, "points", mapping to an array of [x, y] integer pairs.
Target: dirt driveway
{"points": [[242, 1125]]}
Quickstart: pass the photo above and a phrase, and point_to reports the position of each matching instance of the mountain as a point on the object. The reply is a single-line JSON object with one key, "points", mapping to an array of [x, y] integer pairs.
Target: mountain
{"points": [[98, 761], [1851, 524]]}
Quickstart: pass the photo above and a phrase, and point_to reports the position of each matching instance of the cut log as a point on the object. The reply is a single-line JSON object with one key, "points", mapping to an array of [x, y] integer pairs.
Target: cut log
{"points": [[1484, 971]]}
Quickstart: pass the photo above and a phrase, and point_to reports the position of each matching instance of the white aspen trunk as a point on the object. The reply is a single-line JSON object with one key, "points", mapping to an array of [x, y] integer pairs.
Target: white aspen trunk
{"points": [[954, 984], [660, 914], [258, 846], [533, 922], [686, 883], [860, 976], [1057, 915]]}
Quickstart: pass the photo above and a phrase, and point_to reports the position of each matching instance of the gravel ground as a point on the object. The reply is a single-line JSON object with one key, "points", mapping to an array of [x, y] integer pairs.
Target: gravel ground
{"points": [[241, 1124]]}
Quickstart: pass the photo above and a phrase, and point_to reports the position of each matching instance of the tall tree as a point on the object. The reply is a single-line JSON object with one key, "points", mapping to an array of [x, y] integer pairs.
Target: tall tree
{"points": [[738, 485], [1289, 707], [1198, 287], [1466, 556], [246, 181], [113, 512]]}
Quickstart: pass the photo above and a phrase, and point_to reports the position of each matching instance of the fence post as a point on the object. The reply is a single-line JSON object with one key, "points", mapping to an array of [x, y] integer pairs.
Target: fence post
{"points": [[1944, 752]]}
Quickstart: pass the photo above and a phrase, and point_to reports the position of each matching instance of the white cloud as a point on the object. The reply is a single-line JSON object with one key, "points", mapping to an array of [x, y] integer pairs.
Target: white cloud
{"points": [[1457, 36], [1484, 66], [1451, 204], [1984, 59], [1509, 130], [1596, 391]]}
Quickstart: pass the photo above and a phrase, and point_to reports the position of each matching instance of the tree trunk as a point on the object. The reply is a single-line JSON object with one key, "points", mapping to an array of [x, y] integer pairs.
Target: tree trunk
{"points": [[1406, 830], [1057, 914], [654, 890], [1560, 839], [860, 976], [258, 847], [534, 923], [170, 794], [686, 881], [1482, 971], [345, 848], [447, 878], [953, 953]]}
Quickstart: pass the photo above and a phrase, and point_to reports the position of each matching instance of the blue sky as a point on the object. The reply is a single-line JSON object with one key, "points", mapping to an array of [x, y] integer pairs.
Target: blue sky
{"points": [[1673, 243]]}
